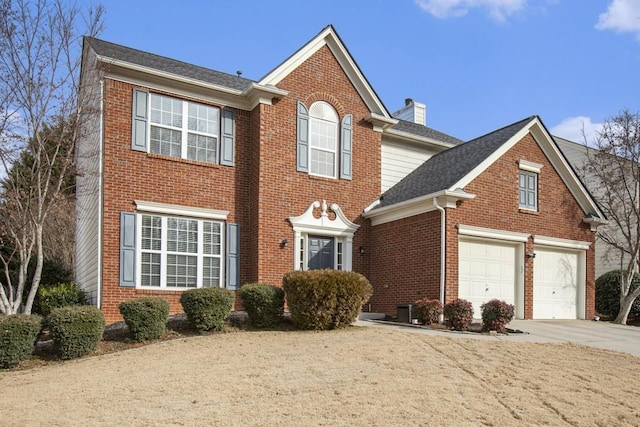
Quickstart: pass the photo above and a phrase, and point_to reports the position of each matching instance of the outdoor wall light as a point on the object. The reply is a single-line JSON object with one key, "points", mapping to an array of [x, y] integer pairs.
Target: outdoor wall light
{"points": [[361, 250], [284, 243], [531, 254]]}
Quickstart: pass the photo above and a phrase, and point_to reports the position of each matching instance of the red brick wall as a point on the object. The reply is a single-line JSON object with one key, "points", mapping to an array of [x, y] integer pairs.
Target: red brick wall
{"points": [[132, 175], [260, 192], [405, 246]]}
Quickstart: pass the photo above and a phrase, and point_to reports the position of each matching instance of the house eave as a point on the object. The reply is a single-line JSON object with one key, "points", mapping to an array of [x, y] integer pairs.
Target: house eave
{"points": [[417, 206], [416, 138], [380, 122]]}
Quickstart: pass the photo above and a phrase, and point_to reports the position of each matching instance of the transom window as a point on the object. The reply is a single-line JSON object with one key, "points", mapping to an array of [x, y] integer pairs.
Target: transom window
{"points": [[179, 253], [323, 139], [528, 190], [184, 129]]}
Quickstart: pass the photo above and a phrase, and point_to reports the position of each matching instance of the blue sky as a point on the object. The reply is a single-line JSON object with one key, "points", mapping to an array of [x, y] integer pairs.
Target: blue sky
{"points": [[478, 65]]}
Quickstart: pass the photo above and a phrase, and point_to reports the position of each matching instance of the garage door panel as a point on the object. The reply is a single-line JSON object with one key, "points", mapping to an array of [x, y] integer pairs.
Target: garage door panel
{"points": [[555, 284], [487, 270]]}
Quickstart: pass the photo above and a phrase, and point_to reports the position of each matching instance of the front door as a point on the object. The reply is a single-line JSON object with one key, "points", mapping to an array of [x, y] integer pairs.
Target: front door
{"points": [[321, 252]]}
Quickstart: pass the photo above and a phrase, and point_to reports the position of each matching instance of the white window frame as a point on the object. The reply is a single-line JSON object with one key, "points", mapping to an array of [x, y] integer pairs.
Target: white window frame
{"points": [[527, 191], [165, 211], [184, 128], [323, 113]]}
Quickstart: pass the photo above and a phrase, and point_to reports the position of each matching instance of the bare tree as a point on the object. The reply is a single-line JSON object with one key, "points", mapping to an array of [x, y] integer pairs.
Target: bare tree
{"points": [[40, 45], [613, 170]]}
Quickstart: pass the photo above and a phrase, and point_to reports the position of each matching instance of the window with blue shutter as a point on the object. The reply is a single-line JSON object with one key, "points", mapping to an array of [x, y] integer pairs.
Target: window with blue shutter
{"points": [[233, 256], [528, 190], [127, 249]]}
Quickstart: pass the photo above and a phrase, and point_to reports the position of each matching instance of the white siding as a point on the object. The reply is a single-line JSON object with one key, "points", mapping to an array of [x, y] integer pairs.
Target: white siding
{"points": [[399, 159], [88, 190]]}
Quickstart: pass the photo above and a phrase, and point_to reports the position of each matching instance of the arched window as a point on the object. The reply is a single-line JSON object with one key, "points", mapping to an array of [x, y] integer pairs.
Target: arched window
{"points": [[323, 139]]}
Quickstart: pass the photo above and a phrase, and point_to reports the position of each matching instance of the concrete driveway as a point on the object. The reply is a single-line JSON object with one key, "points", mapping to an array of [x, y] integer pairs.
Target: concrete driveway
{"points": [[605, 335]]}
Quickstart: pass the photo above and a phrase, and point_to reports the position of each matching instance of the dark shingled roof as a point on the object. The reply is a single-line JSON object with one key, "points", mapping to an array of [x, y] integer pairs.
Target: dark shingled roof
{"points": [[420, 130], [168, 65], [444, 169]]}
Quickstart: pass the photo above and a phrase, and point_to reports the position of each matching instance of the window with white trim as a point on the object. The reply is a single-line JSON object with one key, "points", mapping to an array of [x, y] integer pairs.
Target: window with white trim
{"points": [[179, 253], [528, 190], [323, 139], [183, 129]]}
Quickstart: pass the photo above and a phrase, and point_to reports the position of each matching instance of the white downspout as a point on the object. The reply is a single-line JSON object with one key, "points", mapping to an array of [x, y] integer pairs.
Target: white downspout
{"points": [[443, 257]]}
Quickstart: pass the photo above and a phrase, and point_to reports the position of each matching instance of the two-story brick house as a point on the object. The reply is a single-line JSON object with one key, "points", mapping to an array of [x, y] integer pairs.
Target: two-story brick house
{"points": [[190, 177]]}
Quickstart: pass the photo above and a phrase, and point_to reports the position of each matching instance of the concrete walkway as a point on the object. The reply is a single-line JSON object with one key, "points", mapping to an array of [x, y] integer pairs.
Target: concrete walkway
{"points": [[605, 335]]}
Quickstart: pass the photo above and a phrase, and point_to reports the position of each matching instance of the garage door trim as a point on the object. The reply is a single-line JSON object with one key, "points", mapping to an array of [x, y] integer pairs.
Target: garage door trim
{"points": [[490, 233]]}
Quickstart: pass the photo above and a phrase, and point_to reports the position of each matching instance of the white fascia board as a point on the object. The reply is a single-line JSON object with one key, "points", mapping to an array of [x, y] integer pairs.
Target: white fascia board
{"points": [[491, 159], [416, 138], [560, 164], [419, 205], [329, 38], [490, 233], [561, 243], [178, 210], [380, 122], [193, 88]]}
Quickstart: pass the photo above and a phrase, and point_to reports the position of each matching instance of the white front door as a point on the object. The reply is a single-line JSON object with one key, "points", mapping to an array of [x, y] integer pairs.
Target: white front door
{"points": [[487, 270], [555, 284]]}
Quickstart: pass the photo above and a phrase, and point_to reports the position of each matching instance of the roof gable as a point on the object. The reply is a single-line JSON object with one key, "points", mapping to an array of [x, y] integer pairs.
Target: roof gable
{"points": [[329, 37]]}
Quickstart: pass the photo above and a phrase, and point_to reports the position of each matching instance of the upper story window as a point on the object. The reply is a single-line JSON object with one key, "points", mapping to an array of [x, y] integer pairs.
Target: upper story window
{"points": [[323, 139], [184, 129], [324, 142], [528, 185]]}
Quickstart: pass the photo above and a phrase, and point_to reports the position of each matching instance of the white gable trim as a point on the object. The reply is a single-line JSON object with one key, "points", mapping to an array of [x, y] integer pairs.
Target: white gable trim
{"points": [[557, 160], [329, 38]]}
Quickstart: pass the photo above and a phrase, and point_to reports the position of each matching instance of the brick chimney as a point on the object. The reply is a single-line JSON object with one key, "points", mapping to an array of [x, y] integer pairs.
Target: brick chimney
{"points": [[412, 111]]}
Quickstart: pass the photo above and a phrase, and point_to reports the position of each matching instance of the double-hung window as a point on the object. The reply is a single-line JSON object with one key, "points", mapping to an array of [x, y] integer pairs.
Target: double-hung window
{"points": [[179, 253], [184, 129], [528, 185]]}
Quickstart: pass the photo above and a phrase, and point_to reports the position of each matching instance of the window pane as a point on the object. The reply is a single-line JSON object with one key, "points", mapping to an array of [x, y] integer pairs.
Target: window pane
{"points": [[150, 269], [322, 162], [151, 232], [166, 111], [165, 141], [201, 148], [181, 271], [211, 238], [182, 235], [203, 118], [211, 272]]}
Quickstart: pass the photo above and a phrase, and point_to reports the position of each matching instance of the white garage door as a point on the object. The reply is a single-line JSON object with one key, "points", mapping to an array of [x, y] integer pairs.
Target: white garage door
{"points": [[487, 270], [555, 284]]}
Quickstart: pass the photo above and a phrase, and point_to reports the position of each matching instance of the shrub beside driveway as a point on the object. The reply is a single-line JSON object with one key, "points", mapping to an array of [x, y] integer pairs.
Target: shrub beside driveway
{"points": [[357, 376]]}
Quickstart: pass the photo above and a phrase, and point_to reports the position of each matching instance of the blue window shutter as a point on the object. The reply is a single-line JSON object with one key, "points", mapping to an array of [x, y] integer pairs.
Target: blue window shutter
{"points": [[127, 249], [302, 162], [233, 256], [139, 120], [346, 146], [227, 146]]}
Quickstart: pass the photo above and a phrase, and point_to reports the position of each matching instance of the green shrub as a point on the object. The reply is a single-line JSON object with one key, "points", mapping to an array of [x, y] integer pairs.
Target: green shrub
{"points": [[207, 308], [56, 296], [427, 311], [496, 314], [146, 318], [263, 303], [608, 294], [325, 299], [459, 314], [75, 330], [18, 335]]}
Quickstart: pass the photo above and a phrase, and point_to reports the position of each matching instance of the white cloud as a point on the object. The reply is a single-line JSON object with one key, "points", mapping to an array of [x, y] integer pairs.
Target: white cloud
{"points": [[572, 128], [622, 16], [499, 10]]}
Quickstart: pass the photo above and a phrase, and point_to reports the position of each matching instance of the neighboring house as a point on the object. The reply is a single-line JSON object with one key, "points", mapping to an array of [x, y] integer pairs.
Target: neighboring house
{"points": [[607, 258], [189, 177]]}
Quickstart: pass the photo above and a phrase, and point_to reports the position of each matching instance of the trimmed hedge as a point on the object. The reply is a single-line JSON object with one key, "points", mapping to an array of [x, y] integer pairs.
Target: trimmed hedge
{"points": [[325, 299], [263, 303], [428, 310], [496, 314], [608, 294], [56, 296], [18, 335], [207, 308], [75, 331], [146, 318], [459, 314]]}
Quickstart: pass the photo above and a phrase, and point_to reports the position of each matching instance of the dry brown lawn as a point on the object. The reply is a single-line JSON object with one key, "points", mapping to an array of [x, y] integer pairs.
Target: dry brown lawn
{"points": [[358, 376]]}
